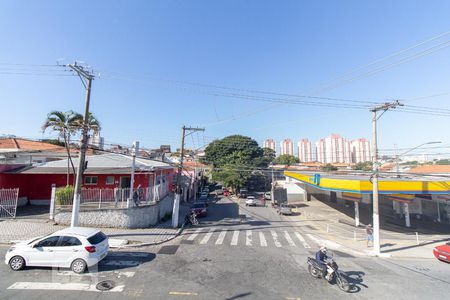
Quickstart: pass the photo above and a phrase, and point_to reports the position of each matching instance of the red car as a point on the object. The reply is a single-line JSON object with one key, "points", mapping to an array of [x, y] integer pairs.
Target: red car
{"points": [[442, 252], [226, 193]]}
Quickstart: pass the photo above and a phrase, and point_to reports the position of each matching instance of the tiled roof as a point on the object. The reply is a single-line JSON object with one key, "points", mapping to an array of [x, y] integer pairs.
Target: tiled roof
{"points": [[438, 169], [19, 144]]}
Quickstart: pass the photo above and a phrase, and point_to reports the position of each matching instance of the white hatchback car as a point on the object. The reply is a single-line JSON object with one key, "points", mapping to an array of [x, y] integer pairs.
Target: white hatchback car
{"points": [[251, 201], [76, 248]]}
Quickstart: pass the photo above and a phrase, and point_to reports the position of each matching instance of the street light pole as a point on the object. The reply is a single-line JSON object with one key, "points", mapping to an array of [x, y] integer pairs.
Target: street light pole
{"points": [[376, 218], [398, 156]]}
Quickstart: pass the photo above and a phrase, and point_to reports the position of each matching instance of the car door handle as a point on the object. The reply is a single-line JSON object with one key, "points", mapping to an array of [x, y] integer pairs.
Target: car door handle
{"points": [[49, 250], [74, 250]]}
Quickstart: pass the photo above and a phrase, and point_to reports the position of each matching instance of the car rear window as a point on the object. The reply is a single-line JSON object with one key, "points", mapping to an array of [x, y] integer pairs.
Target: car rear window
{"points": [[97, 238]]}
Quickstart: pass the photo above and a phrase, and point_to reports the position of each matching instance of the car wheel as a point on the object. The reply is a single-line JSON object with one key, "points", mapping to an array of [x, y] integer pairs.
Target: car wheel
{"points": [[17, 263], [78, 266]]}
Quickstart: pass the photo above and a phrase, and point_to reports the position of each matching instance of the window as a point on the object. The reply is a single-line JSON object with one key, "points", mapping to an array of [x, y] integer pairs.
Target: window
{"points": [[48, 242], [109, 180], [92, 180], [69, 241], [97, 238]]}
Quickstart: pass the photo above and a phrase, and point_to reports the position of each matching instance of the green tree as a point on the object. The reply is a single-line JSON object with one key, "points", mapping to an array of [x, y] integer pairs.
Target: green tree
{"points": [[286, 159], [66, 124], [234, 158], [363, 166], [443, 162], [69, 124], [329, 168]]}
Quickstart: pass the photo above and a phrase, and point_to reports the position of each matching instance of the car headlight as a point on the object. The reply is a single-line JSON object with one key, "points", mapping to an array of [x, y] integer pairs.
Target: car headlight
{"points": [[11, 249]]}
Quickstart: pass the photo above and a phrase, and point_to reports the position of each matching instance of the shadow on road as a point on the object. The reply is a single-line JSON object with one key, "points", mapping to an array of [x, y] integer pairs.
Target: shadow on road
{"points": [[355, 279], [239, 296]]}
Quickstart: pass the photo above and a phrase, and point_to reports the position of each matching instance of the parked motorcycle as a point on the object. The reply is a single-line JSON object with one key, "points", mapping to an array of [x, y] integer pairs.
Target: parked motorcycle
{"points": [[333, 273]]}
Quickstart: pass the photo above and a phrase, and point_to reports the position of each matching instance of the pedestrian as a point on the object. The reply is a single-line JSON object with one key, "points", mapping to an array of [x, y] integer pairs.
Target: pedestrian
{"points": [[369, 232]]}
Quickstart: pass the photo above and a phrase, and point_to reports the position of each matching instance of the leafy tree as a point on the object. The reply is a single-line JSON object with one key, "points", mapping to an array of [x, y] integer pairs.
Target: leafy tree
{"points": [[234, 158], [269, 155], [329, 168], [66, 124], [363, 166], [286, 159], [443, 162]]}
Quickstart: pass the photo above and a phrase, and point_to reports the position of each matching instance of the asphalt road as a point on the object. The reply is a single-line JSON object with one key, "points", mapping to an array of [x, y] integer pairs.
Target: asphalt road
{"points": [[229, 256]]}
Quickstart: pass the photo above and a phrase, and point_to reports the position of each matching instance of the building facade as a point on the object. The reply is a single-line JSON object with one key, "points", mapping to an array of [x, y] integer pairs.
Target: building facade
{"points": [[287, 147], [333, 149], [270, 143], [305, 151], [360, 150]]}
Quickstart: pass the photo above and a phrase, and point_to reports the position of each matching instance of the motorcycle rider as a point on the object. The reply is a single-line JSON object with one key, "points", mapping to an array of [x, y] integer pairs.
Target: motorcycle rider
{"points": [[321, 256]]}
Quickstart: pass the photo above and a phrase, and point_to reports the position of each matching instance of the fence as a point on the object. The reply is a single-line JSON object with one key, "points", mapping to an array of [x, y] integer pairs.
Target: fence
{"points": [[110, 198], [8, 202]]}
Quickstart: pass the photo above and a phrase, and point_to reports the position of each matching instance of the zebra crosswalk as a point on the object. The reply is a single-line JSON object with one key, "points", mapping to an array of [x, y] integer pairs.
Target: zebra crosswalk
{"points": [[248, 238]]}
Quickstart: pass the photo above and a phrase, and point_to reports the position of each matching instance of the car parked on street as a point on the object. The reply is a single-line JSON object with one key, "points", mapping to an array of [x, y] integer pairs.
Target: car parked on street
{"points": [[251, 201], [200, 209], [77, 248], [283, 209], [268, 195], [442, 252], [243, 193]]}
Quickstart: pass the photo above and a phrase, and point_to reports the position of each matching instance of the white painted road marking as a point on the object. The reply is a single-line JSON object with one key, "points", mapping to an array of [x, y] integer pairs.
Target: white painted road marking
{"points": [[302, 239], [60, 286], [289, 239], [194, 235], [235, 238], [92, 274], [262, 239], [207, 236], [248, 238], [275, 238], [221, 237]]}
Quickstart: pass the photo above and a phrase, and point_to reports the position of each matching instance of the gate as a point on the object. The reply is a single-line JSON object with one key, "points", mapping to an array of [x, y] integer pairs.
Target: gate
{"points": [[8, 202]]}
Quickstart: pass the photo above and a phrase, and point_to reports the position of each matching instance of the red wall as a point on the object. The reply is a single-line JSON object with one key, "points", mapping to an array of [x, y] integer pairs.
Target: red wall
{"points": [[38, 186]]}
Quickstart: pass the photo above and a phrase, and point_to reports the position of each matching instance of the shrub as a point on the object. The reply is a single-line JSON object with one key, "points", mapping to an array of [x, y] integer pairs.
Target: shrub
{"points": [[64, 195]]}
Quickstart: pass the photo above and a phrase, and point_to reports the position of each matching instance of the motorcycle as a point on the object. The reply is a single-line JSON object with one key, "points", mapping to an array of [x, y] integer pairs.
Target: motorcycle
{"points": [[191, 219], [333, 273]]}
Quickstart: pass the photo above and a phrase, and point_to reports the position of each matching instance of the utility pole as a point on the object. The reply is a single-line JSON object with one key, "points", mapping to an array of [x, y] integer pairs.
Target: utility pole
{"points": [[86, 78], [376, 218], [178, 191], [133, 168]]}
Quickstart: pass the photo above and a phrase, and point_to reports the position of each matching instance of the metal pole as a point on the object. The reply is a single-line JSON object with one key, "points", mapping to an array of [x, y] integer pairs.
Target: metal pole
{"points": [[81, 161], [272, 187], [356, 214], [376, 221], [133, 168], [407, 219]]}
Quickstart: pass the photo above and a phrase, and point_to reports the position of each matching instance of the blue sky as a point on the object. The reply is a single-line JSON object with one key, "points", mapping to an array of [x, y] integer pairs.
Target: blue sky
{"points": [[279, 46]]}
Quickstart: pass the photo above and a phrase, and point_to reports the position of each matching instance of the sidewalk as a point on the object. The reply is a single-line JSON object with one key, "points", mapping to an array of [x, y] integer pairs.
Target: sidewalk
{"points": [[23, 229], [335, 226]]}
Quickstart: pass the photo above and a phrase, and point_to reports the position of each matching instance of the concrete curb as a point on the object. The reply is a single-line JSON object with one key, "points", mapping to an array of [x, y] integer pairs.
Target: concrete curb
{"points": [[179, 231]]}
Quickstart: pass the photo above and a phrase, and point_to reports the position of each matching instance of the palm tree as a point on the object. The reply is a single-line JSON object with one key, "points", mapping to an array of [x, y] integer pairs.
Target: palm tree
{"points": [[66, 124]]}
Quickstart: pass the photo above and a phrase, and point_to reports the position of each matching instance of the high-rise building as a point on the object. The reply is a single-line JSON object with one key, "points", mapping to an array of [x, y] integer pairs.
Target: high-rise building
{"points": [[287, 147], [333, 149], [269, 143], [360, 149], [305, 151]]}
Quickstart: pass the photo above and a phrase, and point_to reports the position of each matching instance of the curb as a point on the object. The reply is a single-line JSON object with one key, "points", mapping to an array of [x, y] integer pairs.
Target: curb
{"points": [[179, 231]]}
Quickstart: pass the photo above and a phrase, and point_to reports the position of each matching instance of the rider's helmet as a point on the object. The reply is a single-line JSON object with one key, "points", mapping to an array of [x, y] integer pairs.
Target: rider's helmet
{"points": [[323, 249]]}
